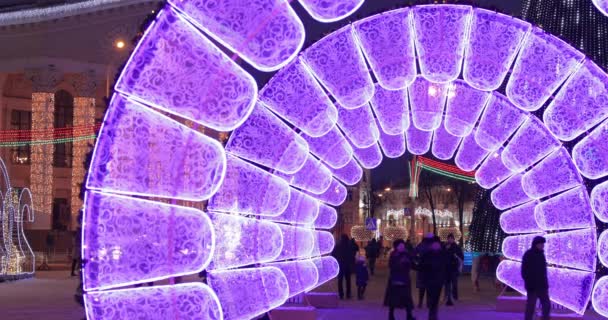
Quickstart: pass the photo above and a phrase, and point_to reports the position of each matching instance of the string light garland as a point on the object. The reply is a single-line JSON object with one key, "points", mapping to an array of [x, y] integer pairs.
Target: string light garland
{"points": [[41, 169], [84, 117]]}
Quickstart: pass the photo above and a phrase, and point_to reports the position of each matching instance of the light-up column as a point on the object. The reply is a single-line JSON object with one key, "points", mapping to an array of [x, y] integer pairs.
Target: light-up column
{"points": [[43, 112]]}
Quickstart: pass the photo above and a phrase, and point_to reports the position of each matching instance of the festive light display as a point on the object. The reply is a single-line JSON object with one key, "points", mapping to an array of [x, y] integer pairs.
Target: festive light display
{"points": [[427, 101], [591, 154], [350, 174], [443, 233], [360, 233], [576, 108], [602, 6], [287, 152], [331, 11], [147, 164], [302, 275], [569, 288], [84, 115], [392, 233], [544, 62], [392, 146], [338, 63], [388, 44], [295, 95], [441, 34], [599, 201], [279, 33], [197, 301], [602, 248], [444, 143], [391, 107], [173, 56], [520, 219], [332, 148], [599, 301], [41, 168], [494, 41]]}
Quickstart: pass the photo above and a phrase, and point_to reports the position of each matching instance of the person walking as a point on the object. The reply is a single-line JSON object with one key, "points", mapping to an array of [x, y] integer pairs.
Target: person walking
{"points": [[534, 273], [434, 266], [399, 289], [344, 253], [421, 249], [76, 248], [372, 252], [362, 277], [455, 258]]}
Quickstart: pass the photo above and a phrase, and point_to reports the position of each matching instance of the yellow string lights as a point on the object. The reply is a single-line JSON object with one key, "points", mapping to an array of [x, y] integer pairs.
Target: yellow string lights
{"points": [[84, 115], [41, 169]]}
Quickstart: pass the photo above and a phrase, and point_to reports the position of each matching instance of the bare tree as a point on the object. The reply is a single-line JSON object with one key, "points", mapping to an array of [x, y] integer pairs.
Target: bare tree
{"points": [[460, 189], [427, 187]]}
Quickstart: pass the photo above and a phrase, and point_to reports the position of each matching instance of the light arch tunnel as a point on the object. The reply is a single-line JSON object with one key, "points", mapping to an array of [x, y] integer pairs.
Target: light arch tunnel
{"points": [[420, 79]]}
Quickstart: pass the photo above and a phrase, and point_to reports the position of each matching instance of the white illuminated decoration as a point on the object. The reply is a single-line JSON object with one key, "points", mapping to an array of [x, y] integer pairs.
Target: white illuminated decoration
{"points": [[441, 213]]}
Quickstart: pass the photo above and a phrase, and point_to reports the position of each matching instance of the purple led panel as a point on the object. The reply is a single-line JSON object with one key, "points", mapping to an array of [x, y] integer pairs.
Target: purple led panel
{"points": [[297, 242], [350, 174], [332, 148], [599, 201], [542, 65], [591, 154], [391, 108], [248, 189], [301, 275], [257, 290], [359, 125], [302, 209], [177, 69], [463, 108], [493, 44], [444, 143], [388, 44], [330, 11], [418, 141], [182, 301], [510, 193], [295, 95], [520, 219], [600, 297], [427, 101], [339, 64], [324, 243], [335, 195], [392, 146], [243, 241], [569, 288], [135, 241], [327, 267], [514, 247], [551, 214], [267, 34], [492, 171], [602, 6], [553, 174], [314, 176], [531, 142], [602, 249], [469, 154], [327, 217], [286, 152], [441, 33], [140, 152], [369, 157], [498, 122], [580, 104]]}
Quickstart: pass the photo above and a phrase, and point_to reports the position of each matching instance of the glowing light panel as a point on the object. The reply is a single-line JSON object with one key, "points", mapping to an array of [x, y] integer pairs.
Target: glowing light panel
{"points": [[499, 121], [297, 242], [441, 33], [599, 300], [492, 171], [327, 217], [177, 69], [391, 108], [591, 153], [324, 243], [602, 249], [339, 65], [510, 193], [327, 267], [531, 142], [301, 275], [267, 35], [427, 101], [553, 174], [335, 194], [314, 176], [359, 125], [418, 141], [137, 241], [470, 154], [550, 214], [599, 201], [332, 148], [542, 65], [369, 157], [287, 152], [302, 209], [388, 44], [350, 174], [463, 108], [140, 152], [444, 143], [392, 146], [324, 11], [520, 219]]}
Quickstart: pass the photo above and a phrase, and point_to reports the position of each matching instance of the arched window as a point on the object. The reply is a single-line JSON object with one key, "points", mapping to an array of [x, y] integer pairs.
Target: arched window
{"points": [[64, 111]]}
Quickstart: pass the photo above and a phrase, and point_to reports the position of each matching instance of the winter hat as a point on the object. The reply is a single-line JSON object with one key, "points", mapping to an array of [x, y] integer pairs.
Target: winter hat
{"points": [[537, 240]]}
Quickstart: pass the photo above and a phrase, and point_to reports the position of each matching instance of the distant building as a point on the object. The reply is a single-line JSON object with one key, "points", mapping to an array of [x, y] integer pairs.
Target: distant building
{"points": [[577, 22]]}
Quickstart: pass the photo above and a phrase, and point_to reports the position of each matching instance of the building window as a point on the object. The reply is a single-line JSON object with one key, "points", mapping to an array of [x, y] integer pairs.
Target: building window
{"points": [[21, 120], [61, 214], [64, 117]]}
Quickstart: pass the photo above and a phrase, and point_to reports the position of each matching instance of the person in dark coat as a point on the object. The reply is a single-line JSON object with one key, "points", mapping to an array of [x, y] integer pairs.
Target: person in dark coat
{"points": [[372, 251], [434, 266], [362, 277], [455, 258], [534, 273], [344, 253], [422, 248], [399, 289]]}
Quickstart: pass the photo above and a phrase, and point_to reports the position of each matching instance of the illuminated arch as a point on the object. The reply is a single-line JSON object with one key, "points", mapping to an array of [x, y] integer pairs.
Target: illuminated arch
{"points": [[292, 134]]}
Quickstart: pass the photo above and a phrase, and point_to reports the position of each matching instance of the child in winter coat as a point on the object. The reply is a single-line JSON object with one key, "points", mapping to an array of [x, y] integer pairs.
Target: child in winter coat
{"points": [[362, 276]]}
